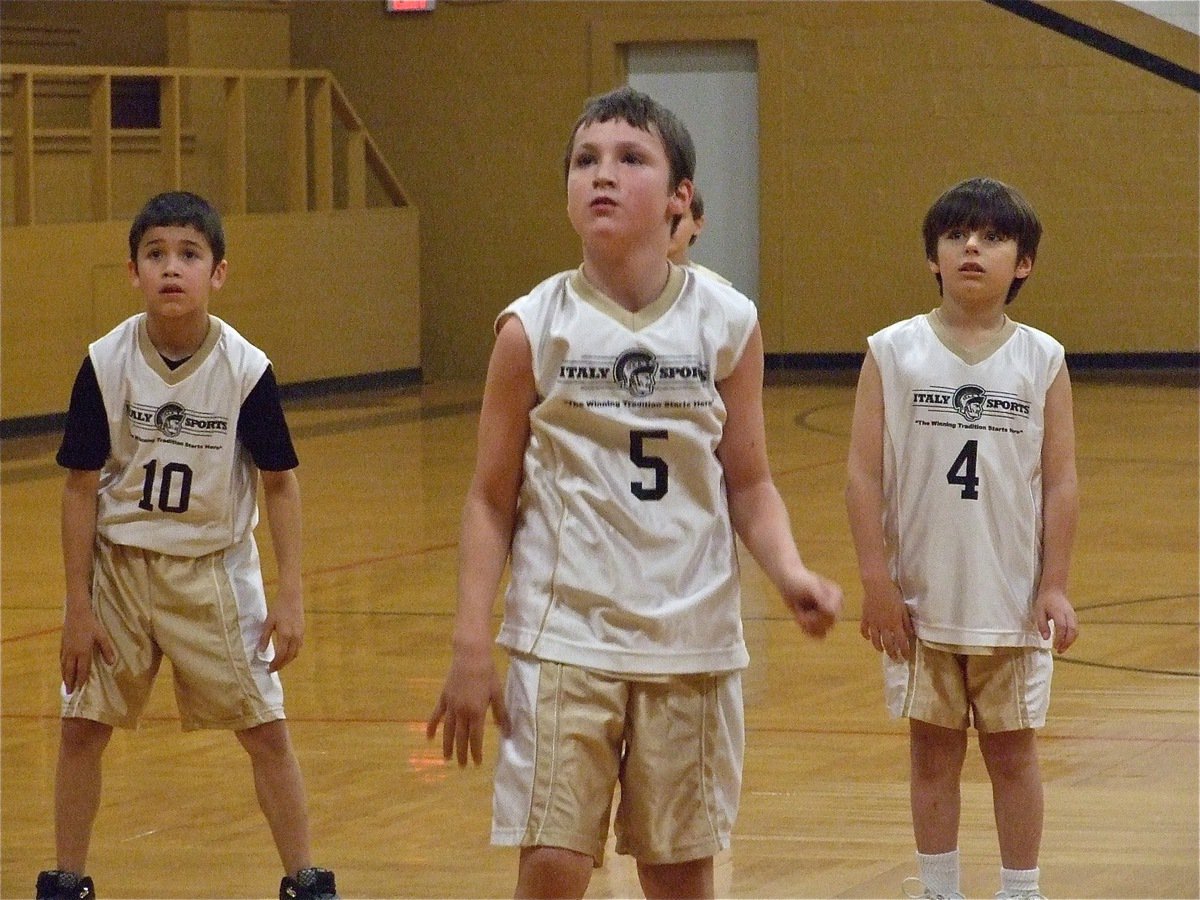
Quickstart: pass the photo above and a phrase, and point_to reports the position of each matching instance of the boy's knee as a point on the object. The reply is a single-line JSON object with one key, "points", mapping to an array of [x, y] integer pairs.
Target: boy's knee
{"points": [[692, 879], [267, 740], [553, 872], [1009, 753], [84, 736], [937, 752]]}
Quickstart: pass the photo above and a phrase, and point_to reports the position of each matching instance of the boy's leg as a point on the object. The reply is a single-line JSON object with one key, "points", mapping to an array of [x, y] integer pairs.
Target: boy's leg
{"points": [[552, 872], [280, 789], [77, 789], [556, 773], [937, 756], [691, 879], [681, 779], [1012, 764]]}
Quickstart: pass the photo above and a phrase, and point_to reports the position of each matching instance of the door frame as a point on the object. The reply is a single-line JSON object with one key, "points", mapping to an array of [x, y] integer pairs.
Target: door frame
{"points": [[610, 36]]}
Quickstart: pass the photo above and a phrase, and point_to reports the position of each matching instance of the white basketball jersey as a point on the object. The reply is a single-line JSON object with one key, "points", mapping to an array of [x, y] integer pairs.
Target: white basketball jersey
{"points": [[623, 558], [704, 270], [963, 480], [177, 480]]}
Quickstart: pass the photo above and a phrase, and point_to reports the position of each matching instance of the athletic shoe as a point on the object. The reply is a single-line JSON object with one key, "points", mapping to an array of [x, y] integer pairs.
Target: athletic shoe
{"points": [[916, 884], [59, 885], [1035, 894], [309, 884]]}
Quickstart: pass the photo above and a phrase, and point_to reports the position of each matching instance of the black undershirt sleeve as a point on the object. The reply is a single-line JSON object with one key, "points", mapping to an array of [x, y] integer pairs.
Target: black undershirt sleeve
{"points": [[263, 429], [85, 443]]}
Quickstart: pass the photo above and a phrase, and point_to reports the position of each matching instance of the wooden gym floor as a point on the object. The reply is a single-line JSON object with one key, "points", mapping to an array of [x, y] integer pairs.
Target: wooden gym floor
{"points": [[825, 803]]}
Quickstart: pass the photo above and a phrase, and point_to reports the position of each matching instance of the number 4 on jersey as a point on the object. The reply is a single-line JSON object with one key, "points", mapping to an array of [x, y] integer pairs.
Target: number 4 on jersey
{"points": [[962, 472]]}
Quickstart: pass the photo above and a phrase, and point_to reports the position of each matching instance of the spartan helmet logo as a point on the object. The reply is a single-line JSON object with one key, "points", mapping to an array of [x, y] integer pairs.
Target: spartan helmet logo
{"points": [[636, 370], [169, 419], [968, 402]]}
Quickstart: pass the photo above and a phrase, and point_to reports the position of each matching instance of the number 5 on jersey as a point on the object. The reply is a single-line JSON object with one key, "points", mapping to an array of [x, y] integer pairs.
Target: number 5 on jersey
{"points": [[657, 489]]}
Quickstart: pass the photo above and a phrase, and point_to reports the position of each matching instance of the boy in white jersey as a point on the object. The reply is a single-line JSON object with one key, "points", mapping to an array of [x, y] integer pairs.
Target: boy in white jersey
{"points": [[621, 445], [687, 229], [963, 505], [173, 417]]}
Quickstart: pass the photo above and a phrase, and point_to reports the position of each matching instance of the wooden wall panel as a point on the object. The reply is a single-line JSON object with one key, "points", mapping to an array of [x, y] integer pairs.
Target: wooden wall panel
{"points": [[326, 295]]}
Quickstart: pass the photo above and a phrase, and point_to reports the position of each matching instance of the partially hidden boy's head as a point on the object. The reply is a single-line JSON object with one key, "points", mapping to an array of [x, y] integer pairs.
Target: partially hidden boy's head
{"points": [[685, 229], [697, 209], [984, 203], [179, 208], [641, 111], [693, 223]]}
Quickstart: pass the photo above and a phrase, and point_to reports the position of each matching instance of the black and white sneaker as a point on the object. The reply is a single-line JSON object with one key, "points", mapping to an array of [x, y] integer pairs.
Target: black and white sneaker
{"points": [[58, 885], [309, 884]]}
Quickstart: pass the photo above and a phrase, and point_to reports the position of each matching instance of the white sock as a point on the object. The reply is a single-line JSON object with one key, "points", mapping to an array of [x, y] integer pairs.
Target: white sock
{"points": [[1014, 880], [939, 872]]}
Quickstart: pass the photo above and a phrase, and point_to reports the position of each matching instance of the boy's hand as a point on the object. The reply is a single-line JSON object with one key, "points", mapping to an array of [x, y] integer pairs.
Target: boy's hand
{"points": [[1053, 606], [472, 685], [815, 603], [285, 622], [886, 622], [82, 634]]}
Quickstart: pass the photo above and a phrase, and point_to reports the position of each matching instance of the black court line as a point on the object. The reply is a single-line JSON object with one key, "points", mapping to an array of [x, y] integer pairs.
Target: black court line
{"points": [[385, 419], [1075, 660], [344, 425], [803, 418], [1102, 41], [1140, 670], [1130, 601]]}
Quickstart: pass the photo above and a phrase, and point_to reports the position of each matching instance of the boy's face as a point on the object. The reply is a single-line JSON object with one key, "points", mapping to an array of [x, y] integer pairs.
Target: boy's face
{"points": [[618, 186], [978, 263], [175, 271]]}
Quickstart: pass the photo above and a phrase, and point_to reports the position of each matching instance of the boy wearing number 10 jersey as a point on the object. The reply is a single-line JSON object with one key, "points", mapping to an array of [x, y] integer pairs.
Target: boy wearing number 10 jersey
{"points": [[174, 417], [621, 446], [963, 503]]}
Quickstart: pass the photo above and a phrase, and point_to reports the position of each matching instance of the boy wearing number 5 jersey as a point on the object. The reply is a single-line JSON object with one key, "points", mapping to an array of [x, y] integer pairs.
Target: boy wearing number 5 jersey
{"points": [[621, 445], [173, 418], [963, 504]]}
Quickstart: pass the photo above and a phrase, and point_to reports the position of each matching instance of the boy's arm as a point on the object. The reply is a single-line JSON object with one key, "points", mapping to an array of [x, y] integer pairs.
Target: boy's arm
{"points": [[756, 509], [885, 619], [488, 519], [1060, 515], [81, 629], [285, 620]]}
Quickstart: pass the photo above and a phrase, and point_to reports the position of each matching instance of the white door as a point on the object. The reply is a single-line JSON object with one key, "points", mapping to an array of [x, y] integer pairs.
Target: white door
{"points": [[713, 88]]}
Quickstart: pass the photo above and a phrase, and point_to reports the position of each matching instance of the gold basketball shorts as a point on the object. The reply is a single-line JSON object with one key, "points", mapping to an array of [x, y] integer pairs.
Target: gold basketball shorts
{"points": [[1005, 689], [673, 743], [205, 614]]}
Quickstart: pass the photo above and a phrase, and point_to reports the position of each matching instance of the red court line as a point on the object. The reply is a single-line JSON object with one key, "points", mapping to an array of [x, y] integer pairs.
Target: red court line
{"points": [[391, 557], [32, 634]]}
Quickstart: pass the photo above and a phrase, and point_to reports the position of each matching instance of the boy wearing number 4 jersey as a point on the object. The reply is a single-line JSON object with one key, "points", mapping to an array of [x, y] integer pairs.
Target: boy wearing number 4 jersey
{"points": [[621, 445], [173, 418], [963, 504]]}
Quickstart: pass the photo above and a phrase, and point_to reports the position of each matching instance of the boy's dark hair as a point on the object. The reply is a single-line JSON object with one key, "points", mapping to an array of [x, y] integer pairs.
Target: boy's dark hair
{"points": [[697, 210], [179, 208], [984, 203], [641, 111]]}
